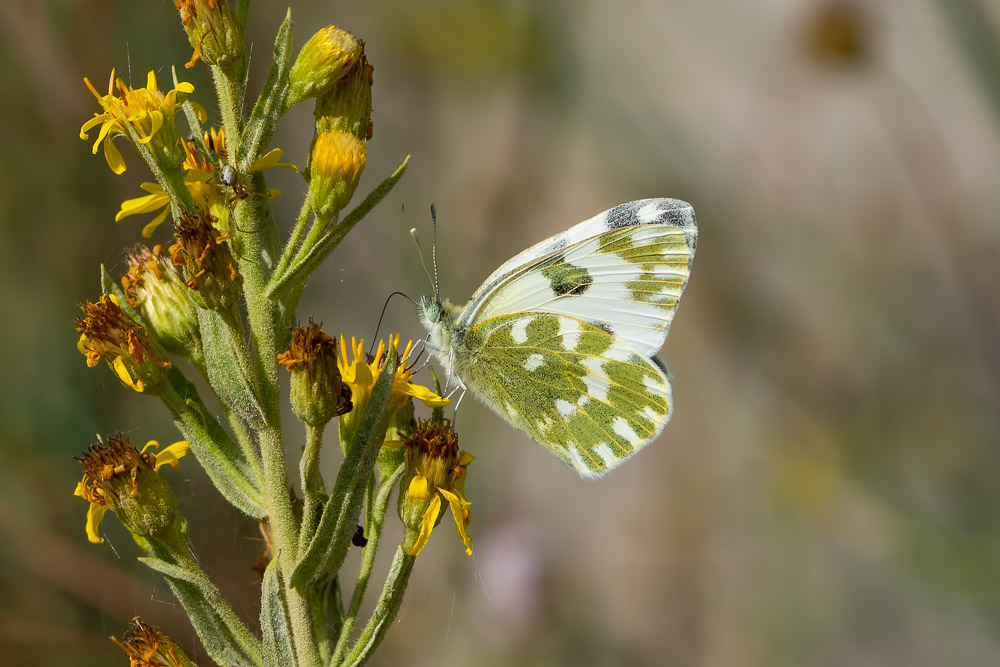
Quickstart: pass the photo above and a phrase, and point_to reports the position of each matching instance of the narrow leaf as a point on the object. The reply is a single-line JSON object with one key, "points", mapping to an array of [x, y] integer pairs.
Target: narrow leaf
{"points": [[230, 381], [274, 622], [328, 547], [260, 128]]}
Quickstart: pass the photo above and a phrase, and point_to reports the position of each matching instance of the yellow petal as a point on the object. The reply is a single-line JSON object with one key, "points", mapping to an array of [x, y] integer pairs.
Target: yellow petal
{"points": [[419, 488], [145, 204], [151, 80], [80, 489], [430, 518], [113, 156], [185, 87], [428, 397], [94, 515], [151, 226], [172, 455], [462, 514], [122, 372], [96, 120]]}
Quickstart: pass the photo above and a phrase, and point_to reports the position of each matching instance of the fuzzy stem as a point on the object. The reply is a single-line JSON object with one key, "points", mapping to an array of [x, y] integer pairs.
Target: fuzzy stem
{"points": [[312, 485], [385, 610], [379, 508]]}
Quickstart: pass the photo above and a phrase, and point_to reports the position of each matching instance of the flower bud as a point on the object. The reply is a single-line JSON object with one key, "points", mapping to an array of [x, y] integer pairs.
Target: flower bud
{"points": [[153, 286], [206, 261], [117, 476], [347, 106], [148, 647], [215, 34], [107, 332], [337, 162], [317, 393], [435, 472], [322, 62]]}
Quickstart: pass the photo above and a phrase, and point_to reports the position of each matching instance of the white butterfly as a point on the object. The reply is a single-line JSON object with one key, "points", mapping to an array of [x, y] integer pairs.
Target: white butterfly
{"points": [[562, 339]]}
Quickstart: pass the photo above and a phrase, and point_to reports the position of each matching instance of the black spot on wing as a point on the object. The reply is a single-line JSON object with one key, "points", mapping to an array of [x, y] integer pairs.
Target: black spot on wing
{"points": [[623, 215], [555, 244], [661, 363], [566, 278], [604, 326]]}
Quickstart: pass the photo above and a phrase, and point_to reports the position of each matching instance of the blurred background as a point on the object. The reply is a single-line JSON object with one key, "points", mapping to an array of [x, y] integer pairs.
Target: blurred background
{"points": [[827, 492]]}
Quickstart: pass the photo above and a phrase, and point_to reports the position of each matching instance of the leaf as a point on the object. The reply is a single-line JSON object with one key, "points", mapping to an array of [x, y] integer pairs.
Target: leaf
{"points": [[230, 382], [264, 118], [274, 622], [328, 547], [221, 458]]}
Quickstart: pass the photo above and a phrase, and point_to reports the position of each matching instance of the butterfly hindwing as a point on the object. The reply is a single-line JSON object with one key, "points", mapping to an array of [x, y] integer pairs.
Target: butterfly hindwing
{"points": [[570, 385]]}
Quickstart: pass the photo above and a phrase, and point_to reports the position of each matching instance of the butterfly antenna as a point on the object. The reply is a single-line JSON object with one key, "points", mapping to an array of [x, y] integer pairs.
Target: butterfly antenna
{"points": [[384, 307], [434, 254], [420, 251]]}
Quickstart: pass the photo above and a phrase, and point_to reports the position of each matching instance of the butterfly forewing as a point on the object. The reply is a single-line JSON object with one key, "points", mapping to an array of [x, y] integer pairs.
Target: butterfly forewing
{"points": [[623, 270], [570, 385]]}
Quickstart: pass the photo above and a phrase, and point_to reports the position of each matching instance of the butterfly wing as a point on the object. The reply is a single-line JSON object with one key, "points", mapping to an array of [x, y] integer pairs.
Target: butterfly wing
{"points": [[623, 271], [571, 386]]}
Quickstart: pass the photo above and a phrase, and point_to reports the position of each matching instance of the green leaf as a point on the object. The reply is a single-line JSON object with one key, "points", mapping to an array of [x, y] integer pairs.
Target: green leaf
{"points": [[308, 259], [228, 378], [221, 458], [264, 118], [328, 547], [274, 622]]}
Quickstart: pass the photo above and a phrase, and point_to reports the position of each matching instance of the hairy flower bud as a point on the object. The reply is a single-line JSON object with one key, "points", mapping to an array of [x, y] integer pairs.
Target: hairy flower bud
{"points": [[338, 159], [148, 647], [215, 34], [153, 286], [107, 332], [322, 62], [317, 393], [206, 261], [347, 106], [119, 477]]}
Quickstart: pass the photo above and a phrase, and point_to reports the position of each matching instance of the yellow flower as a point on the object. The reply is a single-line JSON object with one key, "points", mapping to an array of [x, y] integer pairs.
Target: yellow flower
{"points": [[436, 469], [361, 376], [116, 476], [146, 110], [106, 331], [206, 191]]}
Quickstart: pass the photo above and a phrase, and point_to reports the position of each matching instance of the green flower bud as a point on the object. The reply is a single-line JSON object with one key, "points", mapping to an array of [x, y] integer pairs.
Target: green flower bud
{"points": [[338, 159], [207, 263], [154, 288], [117, 476], [212, 28], [317, 393], [322, 62]]}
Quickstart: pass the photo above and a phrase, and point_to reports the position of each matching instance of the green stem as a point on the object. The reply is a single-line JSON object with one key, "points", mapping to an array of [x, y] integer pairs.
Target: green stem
{"points": [[379, 508], [312, 485], [240, 632], [293, 240], [230, 93], [385, 609]]}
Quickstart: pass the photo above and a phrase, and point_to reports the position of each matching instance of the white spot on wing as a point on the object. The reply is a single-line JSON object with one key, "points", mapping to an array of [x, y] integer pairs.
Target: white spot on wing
{"points": [[652, 415], [604, 451], [653, 382], [519, 332], [597, 383], [649, 212], [622, 428], [570, 332], [533, 362], [565, 408], [577, 458]]}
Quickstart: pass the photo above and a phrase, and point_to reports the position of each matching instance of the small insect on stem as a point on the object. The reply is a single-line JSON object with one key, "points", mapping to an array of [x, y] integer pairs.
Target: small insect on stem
{"points": [[230, 178]]}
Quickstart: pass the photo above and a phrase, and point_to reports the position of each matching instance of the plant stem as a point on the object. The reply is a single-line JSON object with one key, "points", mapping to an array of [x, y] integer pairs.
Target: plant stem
{"points": [[379, 508], [385, 610], [311, 484]]}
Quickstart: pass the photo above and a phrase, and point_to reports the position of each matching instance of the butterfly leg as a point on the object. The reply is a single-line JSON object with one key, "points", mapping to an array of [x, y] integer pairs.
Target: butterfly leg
{"points": [[459, 388]]}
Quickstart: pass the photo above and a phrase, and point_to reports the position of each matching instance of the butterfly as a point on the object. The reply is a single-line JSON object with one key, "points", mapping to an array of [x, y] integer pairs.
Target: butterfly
{"points": [[562, 340]]}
